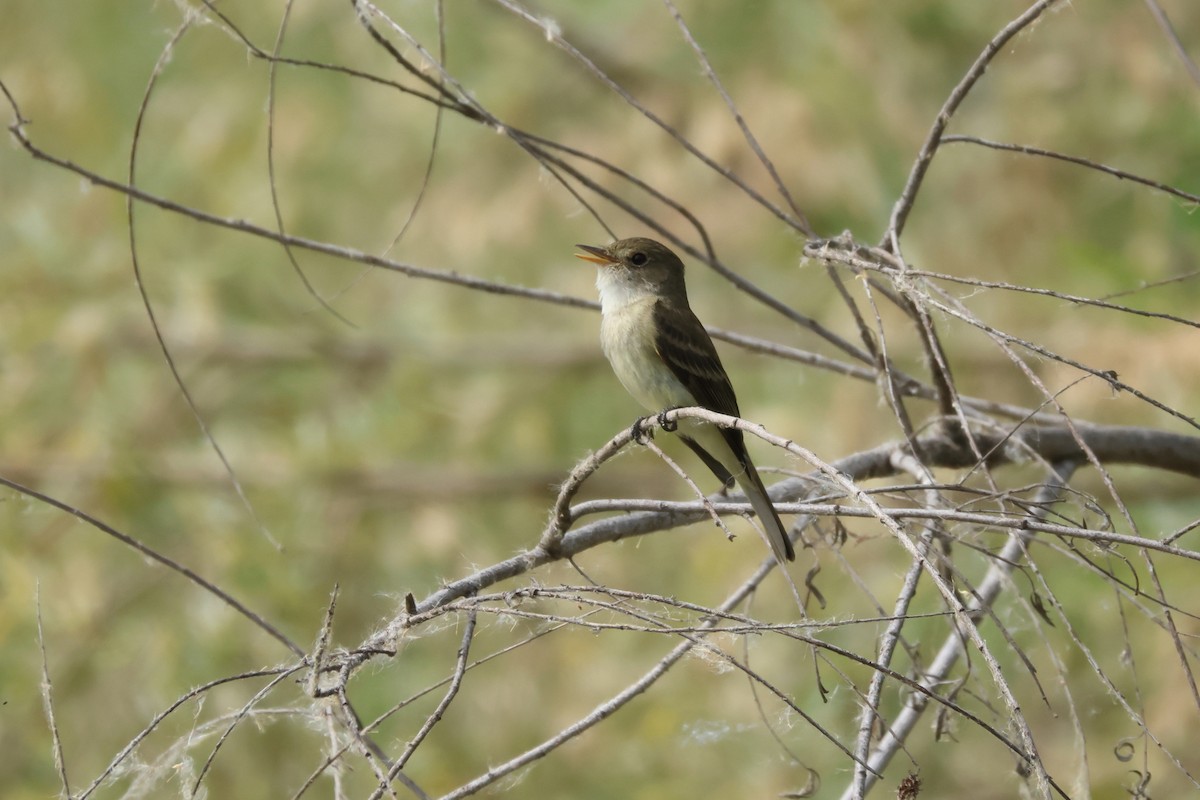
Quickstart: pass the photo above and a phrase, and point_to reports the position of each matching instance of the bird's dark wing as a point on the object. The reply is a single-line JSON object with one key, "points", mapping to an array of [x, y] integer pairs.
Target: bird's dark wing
{"points": [[685, 347]]}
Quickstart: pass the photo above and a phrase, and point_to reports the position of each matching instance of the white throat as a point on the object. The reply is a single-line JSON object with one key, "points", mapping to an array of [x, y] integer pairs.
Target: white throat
{"points": [[618, 289]]}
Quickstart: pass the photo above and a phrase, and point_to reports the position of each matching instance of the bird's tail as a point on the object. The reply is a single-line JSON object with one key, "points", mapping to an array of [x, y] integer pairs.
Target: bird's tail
{"points": [[760, 501]]}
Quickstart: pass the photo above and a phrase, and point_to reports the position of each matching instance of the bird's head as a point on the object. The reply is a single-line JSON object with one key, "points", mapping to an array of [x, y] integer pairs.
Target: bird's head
{"points": [[636, 267]]}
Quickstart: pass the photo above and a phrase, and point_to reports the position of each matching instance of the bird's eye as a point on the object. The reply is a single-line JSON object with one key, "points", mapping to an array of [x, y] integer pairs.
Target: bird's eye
{"points": [[638, 259]]}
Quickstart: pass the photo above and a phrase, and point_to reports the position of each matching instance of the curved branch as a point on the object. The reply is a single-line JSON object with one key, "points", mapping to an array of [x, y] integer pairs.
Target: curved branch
{"points": [[937, 447]]}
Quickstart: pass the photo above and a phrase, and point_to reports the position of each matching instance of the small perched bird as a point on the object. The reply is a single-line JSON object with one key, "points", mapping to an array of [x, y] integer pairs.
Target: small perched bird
{"points": [[665, 359]]}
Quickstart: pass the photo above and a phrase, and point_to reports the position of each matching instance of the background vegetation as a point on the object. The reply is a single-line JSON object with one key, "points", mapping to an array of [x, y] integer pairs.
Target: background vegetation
{"points": [[427, 438]]}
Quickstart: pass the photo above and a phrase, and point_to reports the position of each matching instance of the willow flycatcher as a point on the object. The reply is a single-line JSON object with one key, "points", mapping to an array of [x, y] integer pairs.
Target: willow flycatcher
{"points": [[665, 359]]}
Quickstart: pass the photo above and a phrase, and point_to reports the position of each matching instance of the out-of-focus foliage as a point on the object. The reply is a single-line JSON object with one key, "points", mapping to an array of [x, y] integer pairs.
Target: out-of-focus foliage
{"points": [[428, 438]]}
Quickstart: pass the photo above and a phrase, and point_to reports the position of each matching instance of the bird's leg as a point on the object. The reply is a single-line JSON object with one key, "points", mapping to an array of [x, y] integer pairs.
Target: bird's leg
{"points": [[639, 432]]}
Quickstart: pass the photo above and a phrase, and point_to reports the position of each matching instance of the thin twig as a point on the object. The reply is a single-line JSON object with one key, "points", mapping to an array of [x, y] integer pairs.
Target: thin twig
{"points": [[649, 444], [801, 220], [460, 668], [836, 252], [336, 756], [952, 648], [916, 176], [1083, 162], [242, 714], [599, 74], [692, 511], [181, 701], [171, 564], [891, 636], [610, 706], [272, 83], [1106, 681], [1164, 22], [163, 59], [47, 690]]}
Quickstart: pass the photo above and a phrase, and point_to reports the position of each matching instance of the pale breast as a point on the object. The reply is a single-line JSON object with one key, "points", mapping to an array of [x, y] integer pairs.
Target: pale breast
{"points": [[627, 338]]}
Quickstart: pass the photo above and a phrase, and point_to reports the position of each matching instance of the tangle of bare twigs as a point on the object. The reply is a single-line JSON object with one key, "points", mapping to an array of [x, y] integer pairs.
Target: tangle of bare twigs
{"points": [[985, 505]]}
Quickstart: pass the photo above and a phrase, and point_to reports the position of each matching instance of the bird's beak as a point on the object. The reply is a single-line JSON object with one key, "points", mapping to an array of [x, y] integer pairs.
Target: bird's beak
{"points": [[597, 255]]}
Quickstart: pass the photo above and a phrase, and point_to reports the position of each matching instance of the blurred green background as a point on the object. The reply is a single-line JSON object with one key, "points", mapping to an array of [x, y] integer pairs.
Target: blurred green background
{"points": [[428, 439]]}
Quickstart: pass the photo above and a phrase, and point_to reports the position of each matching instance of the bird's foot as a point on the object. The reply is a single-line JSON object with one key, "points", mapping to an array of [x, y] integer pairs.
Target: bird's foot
{"points": [[640, 431]]}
